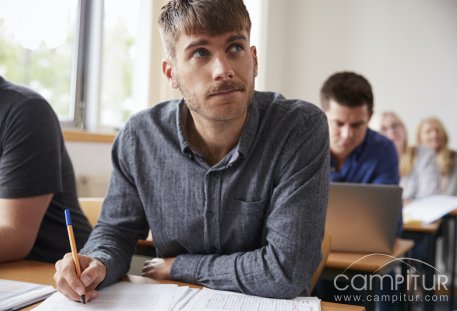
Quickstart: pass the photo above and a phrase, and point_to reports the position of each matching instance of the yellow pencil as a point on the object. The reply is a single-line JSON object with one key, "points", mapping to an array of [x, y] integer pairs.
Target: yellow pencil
{"points": [[74, 250]]}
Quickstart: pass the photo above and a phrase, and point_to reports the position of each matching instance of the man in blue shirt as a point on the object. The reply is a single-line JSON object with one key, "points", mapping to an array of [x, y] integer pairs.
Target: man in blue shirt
{"points": [[358, 154]]}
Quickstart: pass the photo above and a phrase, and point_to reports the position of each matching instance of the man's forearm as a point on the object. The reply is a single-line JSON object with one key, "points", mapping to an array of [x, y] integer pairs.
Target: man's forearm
{"points": [[112, 249], [255, 273]]}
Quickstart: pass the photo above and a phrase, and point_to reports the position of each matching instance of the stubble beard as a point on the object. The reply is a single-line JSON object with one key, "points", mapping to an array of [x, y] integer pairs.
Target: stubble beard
{"points": [[192, 101]]}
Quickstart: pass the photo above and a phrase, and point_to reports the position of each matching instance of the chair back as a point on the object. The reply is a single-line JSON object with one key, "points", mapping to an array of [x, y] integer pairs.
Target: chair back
{"points": [[92, 208]]}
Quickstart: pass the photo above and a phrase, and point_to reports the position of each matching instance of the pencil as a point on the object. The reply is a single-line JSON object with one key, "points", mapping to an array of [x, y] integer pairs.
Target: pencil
{"points": [[74, 251]]}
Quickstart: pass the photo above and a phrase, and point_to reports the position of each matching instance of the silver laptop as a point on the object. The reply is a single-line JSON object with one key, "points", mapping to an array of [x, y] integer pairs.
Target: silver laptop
{"points": [[363, 217]]}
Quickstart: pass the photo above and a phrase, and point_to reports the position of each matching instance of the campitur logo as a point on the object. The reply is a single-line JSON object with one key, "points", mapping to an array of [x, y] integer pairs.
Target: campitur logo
{"points": [[392, 287]]}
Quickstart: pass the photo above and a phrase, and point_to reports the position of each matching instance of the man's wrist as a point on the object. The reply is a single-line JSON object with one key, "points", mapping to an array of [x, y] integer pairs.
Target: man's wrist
{"points": [[185, 268]]}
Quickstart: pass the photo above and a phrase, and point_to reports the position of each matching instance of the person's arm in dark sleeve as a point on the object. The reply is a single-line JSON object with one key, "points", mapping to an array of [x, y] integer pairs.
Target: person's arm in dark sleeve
{"points": [[30, 169]]}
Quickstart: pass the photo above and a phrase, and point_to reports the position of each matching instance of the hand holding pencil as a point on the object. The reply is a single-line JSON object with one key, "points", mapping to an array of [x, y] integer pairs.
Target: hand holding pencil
{"points": [[78, 275], [74, 250]]}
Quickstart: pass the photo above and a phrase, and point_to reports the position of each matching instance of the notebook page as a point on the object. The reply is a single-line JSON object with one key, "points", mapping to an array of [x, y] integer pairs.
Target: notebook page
{"points": [[120, 296], [208, 299], [429, 209], [15, 294]]}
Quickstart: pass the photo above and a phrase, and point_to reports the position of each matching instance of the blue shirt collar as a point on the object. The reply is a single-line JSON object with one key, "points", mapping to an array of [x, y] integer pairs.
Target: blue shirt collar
{"points": [[354, 156]]}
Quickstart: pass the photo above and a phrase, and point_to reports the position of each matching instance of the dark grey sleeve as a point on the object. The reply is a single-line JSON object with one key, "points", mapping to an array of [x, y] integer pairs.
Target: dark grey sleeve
{"points": [[122, 221], [30, 150], [294, 228]]}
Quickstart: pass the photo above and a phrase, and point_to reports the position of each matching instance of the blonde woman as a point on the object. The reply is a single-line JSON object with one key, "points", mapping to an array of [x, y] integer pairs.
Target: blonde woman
{"points": [[419, 174], [431, 133]]}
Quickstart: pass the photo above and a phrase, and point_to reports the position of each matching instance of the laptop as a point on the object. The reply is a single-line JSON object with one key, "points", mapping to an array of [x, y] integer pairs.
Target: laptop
{"points": [[363, 218]]}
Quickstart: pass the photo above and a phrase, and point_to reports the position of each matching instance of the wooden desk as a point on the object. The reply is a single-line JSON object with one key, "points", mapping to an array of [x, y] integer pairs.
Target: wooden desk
{"points": [[43, 273], [423, 228], [359, 263], [341, 261]]}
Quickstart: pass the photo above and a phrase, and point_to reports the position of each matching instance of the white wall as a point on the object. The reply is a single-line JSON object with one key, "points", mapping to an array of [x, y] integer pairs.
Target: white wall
{"points": [[407, 49], [92, 166]]}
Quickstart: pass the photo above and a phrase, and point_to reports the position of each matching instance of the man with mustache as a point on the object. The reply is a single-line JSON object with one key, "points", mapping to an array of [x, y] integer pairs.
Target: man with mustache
{"points": [[232, 183]]}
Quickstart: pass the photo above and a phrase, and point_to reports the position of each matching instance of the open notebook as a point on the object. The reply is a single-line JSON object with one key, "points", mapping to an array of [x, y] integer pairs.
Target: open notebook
{"points": [[170, 297], [429, 209], [15, 295]]}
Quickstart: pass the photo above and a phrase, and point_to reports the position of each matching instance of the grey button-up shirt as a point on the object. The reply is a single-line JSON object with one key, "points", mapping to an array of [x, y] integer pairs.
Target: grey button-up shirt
{"points": [[252, 223]]}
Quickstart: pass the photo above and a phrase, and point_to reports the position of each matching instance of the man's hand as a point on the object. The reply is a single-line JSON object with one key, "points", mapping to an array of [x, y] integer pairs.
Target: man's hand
{"points": [[93, 272], [158, 269]]}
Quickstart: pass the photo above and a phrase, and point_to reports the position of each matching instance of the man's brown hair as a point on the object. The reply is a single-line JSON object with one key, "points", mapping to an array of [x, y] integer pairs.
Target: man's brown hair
{"points": [[347, 89], [211, 17]]}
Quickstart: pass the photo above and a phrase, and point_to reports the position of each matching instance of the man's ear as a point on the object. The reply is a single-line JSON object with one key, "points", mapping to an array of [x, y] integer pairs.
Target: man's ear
{"points": [[254, 56], [168, 71]]}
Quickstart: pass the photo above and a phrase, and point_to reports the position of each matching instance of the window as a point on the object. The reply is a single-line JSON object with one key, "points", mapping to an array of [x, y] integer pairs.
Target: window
{"points": [[121, 44], [81, 55], [92, 60], [36, 48], [113, 58]]}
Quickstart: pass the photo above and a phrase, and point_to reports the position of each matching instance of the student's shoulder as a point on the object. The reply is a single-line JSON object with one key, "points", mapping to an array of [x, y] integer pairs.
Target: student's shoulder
{"points": [[22, 103], [18, 97], [163, 112], [17, 93], [379, 140], [274, 107], [276, 102]]}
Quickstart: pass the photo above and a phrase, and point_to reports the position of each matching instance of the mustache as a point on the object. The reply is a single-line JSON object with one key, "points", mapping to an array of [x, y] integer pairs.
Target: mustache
{"points": [[225, 86]]}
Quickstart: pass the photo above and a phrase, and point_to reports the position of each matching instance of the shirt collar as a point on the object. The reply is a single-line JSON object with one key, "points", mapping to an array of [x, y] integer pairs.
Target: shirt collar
{"points": [[181, 116], [247, 135], [355, 155]]}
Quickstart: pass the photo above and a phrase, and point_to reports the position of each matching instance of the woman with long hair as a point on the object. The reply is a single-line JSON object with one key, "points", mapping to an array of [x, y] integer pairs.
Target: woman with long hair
{"points": [[419, 174], [432, 133]]}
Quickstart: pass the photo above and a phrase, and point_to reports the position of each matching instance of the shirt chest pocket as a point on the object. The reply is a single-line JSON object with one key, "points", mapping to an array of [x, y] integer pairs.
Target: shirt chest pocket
{"points": [[244, 224]]}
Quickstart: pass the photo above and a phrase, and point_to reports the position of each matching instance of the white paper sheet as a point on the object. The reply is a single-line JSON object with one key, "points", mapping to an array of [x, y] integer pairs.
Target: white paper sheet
{"points": [[120, 296], [429, 209], [182, 297], [164, 297], [207, 299]]}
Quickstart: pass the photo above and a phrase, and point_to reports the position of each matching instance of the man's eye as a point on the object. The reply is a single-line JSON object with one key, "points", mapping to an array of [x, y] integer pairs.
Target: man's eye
{"points": [[357, 126], [235, 48], [200, 53]]}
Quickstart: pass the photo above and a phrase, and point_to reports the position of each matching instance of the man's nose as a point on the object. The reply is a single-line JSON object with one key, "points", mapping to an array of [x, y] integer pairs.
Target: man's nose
{"points": [[346, 132], [222, 68]]}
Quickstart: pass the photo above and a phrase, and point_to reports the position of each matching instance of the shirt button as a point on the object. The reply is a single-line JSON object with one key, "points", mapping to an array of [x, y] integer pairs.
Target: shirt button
{"points": [[209, 214]]}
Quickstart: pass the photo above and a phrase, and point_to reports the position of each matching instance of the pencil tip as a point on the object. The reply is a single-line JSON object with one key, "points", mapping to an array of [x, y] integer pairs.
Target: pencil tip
{"points": [[83, 299]]}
